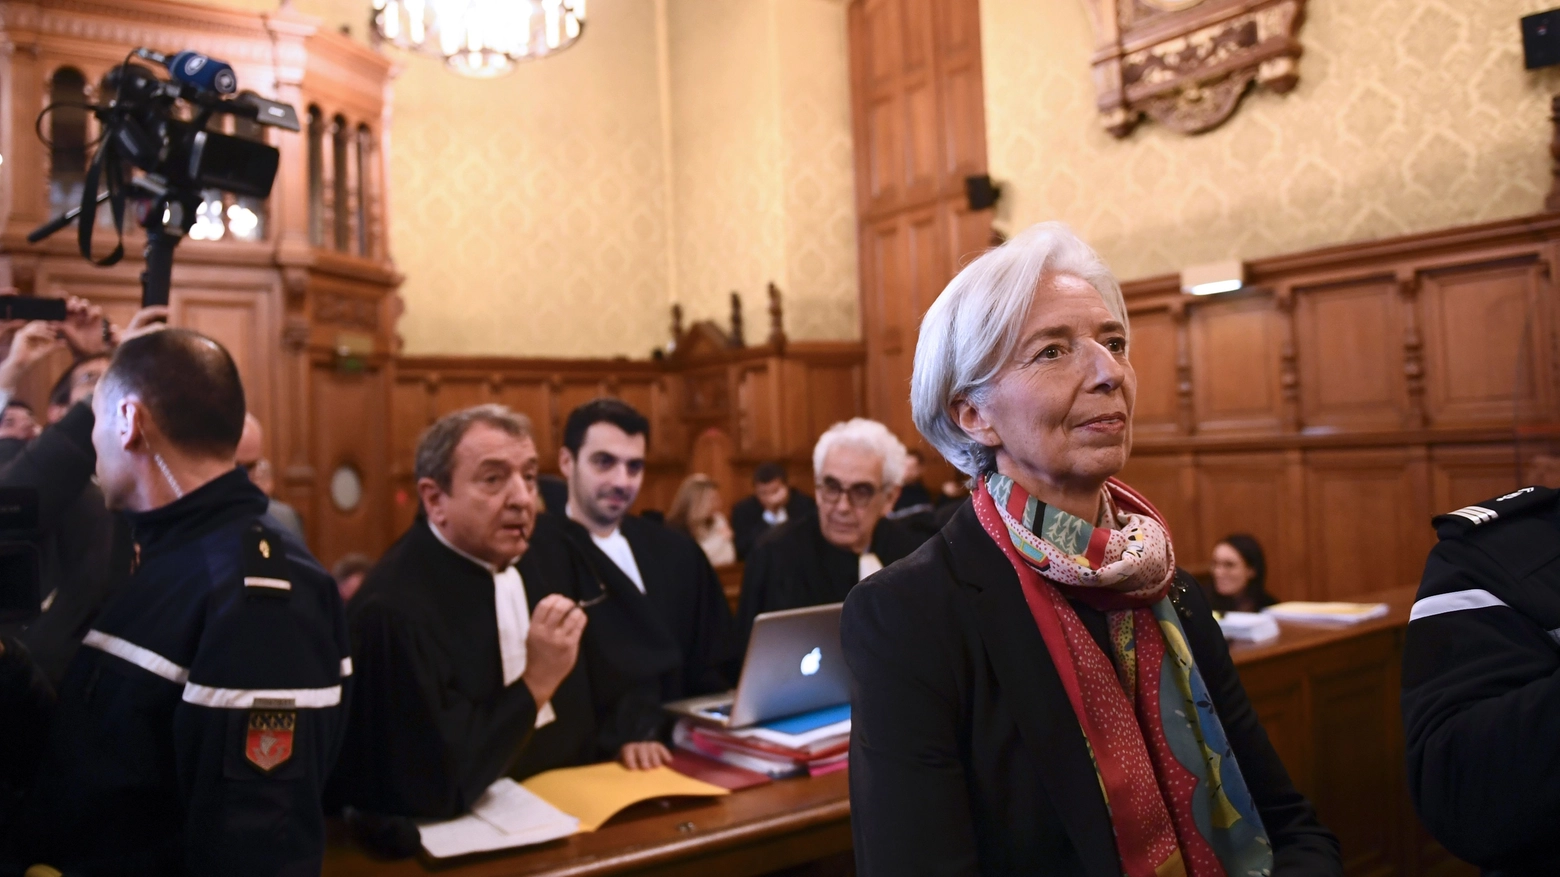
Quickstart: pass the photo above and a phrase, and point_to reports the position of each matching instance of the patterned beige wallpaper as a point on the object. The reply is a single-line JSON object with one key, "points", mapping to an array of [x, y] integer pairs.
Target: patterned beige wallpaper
{"points": [[530, 214], [760, 97], [527, 211], [1410, 115]]}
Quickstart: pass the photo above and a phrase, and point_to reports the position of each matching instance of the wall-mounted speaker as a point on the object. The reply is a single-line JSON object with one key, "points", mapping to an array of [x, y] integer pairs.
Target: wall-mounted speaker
{"points": [[981, 192], [1541, 39]]}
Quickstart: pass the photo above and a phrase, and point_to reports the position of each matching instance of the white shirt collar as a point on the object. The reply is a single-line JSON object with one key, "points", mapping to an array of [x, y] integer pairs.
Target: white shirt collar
{"points": [[493, 570]]}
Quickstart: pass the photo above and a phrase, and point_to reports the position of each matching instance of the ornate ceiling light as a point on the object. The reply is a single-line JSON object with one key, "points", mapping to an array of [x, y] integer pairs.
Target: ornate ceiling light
{"points": [[480, 38]]}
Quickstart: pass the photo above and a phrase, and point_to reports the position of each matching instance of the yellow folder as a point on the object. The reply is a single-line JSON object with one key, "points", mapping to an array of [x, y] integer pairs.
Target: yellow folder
{"points": [[595, 793]]}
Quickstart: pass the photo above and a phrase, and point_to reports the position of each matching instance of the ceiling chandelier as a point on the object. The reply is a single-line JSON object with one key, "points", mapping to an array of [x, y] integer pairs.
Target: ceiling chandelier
{"points": [[480, 38]]}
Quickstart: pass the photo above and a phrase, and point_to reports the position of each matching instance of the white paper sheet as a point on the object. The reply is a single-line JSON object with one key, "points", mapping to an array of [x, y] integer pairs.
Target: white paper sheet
{"points": [[507, 815], [1248, 627]]}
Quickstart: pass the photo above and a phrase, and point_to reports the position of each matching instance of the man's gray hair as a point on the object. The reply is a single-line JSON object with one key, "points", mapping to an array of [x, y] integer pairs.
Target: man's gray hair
{"points": [[867, 435], [436, 446], [971, 330]]}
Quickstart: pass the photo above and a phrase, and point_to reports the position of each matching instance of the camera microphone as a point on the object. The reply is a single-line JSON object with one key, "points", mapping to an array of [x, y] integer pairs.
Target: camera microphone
{"points": [[196, 70]]}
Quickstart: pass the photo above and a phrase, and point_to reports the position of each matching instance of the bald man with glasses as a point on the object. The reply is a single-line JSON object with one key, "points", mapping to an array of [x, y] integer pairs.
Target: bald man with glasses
{"points": [[858, 466]]}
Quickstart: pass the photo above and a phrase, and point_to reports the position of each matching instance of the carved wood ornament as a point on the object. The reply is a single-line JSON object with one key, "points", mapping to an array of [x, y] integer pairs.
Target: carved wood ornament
{"points": [[1187, 63]]}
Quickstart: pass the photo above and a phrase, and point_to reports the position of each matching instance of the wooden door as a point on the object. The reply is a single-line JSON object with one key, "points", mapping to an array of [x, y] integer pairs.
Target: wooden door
{"points": [[920, 129]]}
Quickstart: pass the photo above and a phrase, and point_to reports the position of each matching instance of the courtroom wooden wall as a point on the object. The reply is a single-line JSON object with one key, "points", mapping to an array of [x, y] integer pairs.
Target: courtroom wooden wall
{"points": [[1346, 398], [720, 412], [918, 106]]}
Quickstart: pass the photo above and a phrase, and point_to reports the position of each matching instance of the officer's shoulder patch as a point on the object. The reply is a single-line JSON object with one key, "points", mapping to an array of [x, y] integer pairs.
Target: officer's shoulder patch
{"points": [[265, 566], [268, 742], [1518, 502]]}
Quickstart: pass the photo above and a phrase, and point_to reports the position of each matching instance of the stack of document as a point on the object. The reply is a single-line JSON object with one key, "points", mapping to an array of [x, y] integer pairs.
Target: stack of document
{"points": [[507, 815], [812, 743], [1327, 613], [1248, 627]]}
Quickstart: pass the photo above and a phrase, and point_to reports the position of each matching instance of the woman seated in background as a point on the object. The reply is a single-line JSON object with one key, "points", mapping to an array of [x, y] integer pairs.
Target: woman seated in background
{"points": [[697, 512], [1039, 690], [1239, 576]]}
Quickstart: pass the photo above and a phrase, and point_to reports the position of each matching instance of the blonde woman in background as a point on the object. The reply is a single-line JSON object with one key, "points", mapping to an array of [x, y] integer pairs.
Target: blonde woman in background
{"points": [[697, 511]]}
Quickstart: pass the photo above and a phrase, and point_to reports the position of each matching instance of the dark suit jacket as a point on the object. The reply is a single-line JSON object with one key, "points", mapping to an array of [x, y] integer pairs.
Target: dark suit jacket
{"points": [[965, 754], [747, 518]]}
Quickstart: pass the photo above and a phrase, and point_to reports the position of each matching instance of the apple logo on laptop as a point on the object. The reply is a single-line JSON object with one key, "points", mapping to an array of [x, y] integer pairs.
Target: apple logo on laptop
{"points": [[812, 661]]}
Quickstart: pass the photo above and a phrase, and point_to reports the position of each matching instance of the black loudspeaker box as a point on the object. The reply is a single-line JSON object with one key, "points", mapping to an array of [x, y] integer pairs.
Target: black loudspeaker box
{"points": [[1541, 39]]}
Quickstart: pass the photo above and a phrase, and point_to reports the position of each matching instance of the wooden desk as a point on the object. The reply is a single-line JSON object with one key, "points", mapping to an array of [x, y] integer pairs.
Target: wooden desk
{"points": [[748, 833], [1328, 697]]}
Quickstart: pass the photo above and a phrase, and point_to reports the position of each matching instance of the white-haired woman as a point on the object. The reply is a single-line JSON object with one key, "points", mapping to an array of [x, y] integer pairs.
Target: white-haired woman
{"points": [[1037, 690]]}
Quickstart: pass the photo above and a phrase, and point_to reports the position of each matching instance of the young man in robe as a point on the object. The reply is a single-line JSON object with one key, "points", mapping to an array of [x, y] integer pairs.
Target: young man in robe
{"points": [[465, 638], [667, 625], [771, 504], [858, 467]]}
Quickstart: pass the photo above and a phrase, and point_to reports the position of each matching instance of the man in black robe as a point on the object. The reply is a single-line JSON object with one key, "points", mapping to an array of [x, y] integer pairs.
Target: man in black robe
{"points": [[772, 503], [464, 638], [667, 619], [858, 467]]}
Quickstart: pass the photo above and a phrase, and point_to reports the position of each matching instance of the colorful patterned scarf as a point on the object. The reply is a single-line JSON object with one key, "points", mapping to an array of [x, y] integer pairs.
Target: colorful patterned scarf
{"points": [[1177, 801]]}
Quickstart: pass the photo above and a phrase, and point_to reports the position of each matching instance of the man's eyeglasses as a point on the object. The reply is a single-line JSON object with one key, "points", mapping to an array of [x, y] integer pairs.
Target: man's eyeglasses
{"points": [[830, 490]]}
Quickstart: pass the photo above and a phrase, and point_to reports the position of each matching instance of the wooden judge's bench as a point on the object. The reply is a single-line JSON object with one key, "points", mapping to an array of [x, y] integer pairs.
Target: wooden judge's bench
{"points": [[1328, 697]]}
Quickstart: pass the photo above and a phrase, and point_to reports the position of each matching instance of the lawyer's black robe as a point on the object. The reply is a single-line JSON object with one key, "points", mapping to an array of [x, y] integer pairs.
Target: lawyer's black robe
{"points": [[795, 566], [674, 640], [431, 724]]}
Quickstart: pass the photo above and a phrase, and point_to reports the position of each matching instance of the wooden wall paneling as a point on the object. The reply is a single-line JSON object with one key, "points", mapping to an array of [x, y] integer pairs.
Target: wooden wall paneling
{"points": [[1249, 493], [1462, 475], [1488, 343], [1235, 348], [1152, 351], [758, 419], [530, 397], [1350, 356], [918, 113], [1367, 514], [348, 404], [240, 320], [1168, 481]]}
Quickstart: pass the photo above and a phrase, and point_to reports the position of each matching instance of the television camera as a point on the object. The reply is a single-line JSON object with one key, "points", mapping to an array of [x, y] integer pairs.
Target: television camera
{"points": [[148, 154]]}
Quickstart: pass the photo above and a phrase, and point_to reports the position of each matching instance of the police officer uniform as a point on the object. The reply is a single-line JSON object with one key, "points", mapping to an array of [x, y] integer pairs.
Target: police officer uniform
{"points": [[194, 730], [1481, 684]]}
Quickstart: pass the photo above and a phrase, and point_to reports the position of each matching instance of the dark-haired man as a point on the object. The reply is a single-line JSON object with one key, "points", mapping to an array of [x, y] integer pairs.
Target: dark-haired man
{"points": [[18, 422], [195, 727], [667, 622], [466, 635], [772, 503]]}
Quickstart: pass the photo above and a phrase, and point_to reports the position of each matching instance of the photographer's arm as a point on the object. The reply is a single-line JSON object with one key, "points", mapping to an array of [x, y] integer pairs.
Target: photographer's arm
{"points": [[58, 464]]}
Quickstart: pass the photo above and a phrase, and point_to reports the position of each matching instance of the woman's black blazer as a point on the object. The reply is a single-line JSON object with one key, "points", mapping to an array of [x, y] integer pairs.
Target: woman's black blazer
{"points": [[965, 755]]}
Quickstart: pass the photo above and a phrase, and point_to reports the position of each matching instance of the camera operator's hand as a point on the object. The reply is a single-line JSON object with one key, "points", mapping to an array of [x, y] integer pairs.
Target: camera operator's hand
{"points": [[35, 341], [146, 320], [552, 646], [84, 328]]}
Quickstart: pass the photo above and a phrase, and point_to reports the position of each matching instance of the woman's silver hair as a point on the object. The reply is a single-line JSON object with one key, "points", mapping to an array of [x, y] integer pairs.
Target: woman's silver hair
{"points": [[971, 330], [870, 436]]}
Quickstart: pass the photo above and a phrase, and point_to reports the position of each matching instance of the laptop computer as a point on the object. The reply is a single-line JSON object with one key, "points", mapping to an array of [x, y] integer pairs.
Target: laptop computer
{"points": [[794, 664]]}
